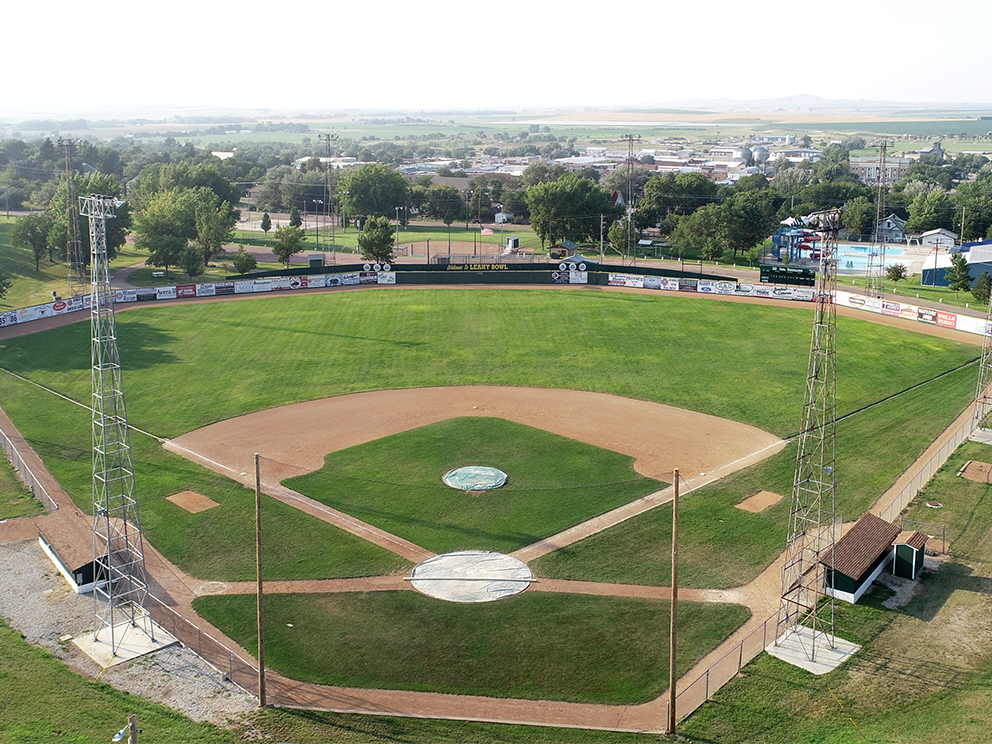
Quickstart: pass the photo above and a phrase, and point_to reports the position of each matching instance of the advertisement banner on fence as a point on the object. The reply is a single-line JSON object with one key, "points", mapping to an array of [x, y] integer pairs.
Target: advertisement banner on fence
{"points": [[186, 290], [165, 293], [244, 287], [947, 320], [387, 277], [126, 295], [281, 282], [224, 288], [147, 295], [332, 280], [669, 283], [626, 280], [258, 285], [926, 315], [8, 318], [652, 282], [745, 290], [317, 280], [559, 277], [688, 285], [891, 308], [725, 288], [204, 290], [971, 325], [350, 278], [706, 286], [368, 277]]}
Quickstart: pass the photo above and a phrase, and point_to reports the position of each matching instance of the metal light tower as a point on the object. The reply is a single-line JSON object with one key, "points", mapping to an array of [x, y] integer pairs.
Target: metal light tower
{"points": [[875, 276], [811, 519], [117, 544], [625, 259]]}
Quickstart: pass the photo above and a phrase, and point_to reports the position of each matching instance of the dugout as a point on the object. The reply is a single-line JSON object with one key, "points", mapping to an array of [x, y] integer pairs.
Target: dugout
{"points": [[68, 542], [859, 557]]}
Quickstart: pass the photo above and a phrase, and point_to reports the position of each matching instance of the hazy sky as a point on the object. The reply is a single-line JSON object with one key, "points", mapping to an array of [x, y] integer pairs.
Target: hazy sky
{"points": [[64, 57]]}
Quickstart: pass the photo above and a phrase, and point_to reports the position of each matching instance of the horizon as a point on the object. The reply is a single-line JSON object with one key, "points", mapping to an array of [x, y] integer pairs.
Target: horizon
{"points": [[447, 57]]}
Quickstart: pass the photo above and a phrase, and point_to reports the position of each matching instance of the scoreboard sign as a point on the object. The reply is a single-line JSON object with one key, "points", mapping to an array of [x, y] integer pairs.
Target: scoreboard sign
{"points": [[788, 275]]}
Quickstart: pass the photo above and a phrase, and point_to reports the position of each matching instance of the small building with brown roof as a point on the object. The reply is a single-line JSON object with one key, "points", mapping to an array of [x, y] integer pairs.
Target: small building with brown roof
{"points": [[68, 541], [859, 557]]}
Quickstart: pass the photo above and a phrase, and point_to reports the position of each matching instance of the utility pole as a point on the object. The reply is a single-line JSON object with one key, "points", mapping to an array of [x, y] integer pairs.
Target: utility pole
{"points": [[672, 680], [630, 139], [602, 259], [258, 585]]}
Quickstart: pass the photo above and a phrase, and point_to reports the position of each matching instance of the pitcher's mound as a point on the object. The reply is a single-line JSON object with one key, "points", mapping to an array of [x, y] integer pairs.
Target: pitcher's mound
{"points": [[192, 501], [760, 501]]}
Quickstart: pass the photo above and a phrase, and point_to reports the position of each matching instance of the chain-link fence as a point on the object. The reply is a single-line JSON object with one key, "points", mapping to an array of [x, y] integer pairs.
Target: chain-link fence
{"points": [[928, 470], [231, 665], [26, 474]]}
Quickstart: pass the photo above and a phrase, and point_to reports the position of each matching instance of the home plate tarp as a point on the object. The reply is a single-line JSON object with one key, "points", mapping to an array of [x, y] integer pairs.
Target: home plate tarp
{"points": [[471, 576]]}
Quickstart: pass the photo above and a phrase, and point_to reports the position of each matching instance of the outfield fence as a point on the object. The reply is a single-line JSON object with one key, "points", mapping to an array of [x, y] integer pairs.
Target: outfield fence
{"points": [[928, 470], [230, 664], [26, 474]]}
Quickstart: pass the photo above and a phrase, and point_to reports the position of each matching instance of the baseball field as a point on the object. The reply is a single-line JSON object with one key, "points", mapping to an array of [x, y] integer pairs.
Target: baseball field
{"points": [[358, 402]]}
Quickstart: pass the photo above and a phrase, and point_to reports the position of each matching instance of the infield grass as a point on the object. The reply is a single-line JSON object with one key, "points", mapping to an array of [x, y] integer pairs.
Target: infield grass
{"points": [[554, 483], [534, 645]]}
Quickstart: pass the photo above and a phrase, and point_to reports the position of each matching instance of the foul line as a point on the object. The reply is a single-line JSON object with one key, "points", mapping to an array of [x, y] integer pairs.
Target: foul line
{"points": [[57, 394]]}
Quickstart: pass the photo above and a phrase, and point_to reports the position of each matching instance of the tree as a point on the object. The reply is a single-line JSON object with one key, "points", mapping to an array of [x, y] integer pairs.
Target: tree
{"points": [[622, 238], [859, 216], [896, 273], [266, 224], [116, 230], [164, 250], [982, 288], [4, 284], [244, 261], [568, 209], [957, 275], [31, 233], [214, 228], [376, 241], [373, 190], [540, 172], [191, 261], [287, 242], [294, 218], [930, 212], [443, 203]]}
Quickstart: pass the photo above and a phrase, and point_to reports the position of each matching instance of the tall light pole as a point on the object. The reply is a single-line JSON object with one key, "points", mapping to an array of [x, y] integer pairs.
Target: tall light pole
{"points": [[396, 243], [316, 219]]}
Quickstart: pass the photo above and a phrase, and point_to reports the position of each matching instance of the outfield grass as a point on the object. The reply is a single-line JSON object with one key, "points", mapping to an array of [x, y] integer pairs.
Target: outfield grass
{"points": [[534, 645], [43, 701], [15, 498], [721, 546], [187, 365], [925, 672], [554, 483]]}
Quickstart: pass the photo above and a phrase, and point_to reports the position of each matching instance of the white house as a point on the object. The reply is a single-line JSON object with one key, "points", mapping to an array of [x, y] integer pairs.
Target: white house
{"points": [[939, 238]]}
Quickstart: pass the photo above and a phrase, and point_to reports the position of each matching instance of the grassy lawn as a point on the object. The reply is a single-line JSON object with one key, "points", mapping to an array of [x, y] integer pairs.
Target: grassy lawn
{"points": [[44, 701], [533, 645], [722, 546], [925, 673], [554, 483], [708, 356], [15, 498], [28, 287]]}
